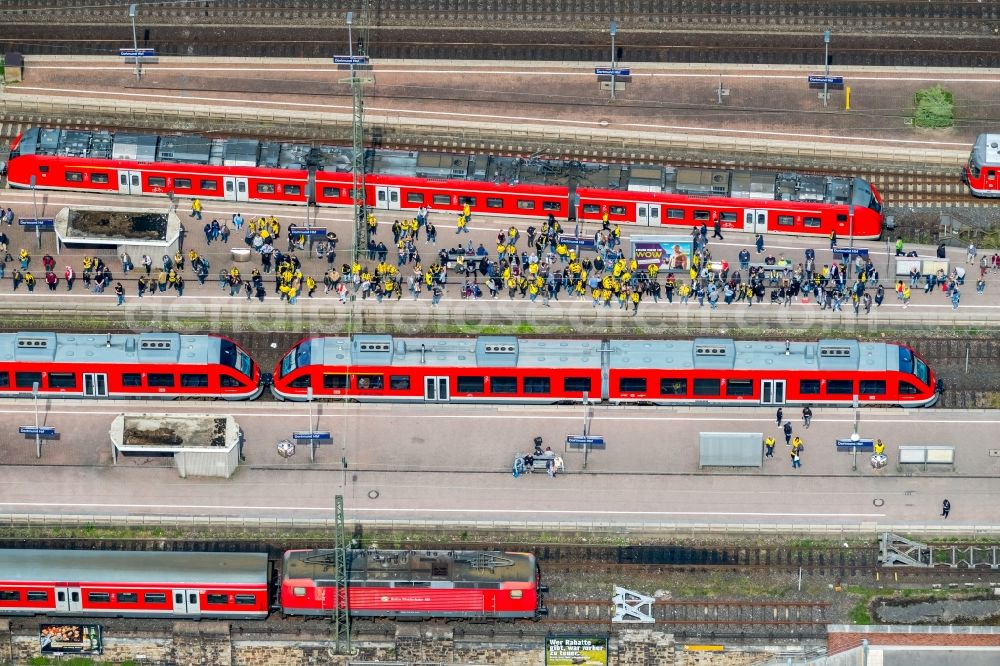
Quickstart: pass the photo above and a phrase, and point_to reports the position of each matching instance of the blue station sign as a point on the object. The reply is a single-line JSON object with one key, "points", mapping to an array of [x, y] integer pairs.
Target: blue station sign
{"points": [[820, 79], [579, 242], [350, 60], [315, 435], [307, 231], [137, 53], [43, 431], [609, 71], [578, 442], [36, 222]]}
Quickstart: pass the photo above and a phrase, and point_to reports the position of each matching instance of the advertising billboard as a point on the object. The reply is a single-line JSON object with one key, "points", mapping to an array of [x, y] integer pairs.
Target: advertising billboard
{"points": [[670, 253], [70, 639], [576, 651]]}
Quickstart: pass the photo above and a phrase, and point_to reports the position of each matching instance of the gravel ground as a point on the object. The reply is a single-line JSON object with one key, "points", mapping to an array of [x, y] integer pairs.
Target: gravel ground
{"points": [[936, 611]]}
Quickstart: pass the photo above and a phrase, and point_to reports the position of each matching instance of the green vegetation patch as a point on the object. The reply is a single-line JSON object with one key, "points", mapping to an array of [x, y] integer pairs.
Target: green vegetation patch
{"points": [[933, 107]]}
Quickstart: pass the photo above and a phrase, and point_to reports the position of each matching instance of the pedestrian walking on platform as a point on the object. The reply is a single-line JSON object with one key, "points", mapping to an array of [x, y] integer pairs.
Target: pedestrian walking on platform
{"points": [[787, 428], [778, 416], [945, 508], [120, 293], [796, 460], [196, 209], [807, 415], [769, 447]]}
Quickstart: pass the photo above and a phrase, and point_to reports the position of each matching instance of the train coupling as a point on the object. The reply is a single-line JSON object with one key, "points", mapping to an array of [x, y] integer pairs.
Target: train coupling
{"points": [[266, 378]]}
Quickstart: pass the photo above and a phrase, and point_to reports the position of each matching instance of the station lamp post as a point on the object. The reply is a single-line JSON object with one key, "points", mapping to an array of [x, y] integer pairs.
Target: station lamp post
{"points": [[826, 65], [614, 31], [135, 42]]}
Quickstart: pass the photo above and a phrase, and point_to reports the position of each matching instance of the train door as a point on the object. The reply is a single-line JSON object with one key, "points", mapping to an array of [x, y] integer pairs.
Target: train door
{"points": [[435, 389], [129, 182], [755, 220], [991, 176], [95, 385], [648, 215], [387, 198], [68, 599], [186, 602], [772, 392], [236, 188]]}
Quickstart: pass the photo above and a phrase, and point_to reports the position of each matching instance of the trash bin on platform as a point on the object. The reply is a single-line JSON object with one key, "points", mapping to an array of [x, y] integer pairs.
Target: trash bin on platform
{"points": [[240, 254]]}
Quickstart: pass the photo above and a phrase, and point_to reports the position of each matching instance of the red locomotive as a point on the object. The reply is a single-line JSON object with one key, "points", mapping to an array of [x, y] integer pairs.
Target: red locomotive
{"points": [[502, 369], [982, 173], [459, 584], [382, 583], [133, 584], [144, 365], [254, 171]]}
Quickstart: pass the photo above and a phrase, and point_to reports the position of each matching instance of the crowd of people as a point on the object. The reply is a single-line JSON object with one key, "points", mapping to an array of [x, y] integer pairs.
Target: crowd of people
{"points": [[536, 264]]}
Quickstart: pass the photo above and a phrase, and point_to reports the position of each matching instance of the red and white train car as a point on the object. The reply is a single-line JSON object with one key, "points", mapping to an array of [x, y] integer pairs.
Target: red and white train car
{"points": [[133, 584], [254, 171], [144, 365], [415, 584], [982, 173], [506, 369]]}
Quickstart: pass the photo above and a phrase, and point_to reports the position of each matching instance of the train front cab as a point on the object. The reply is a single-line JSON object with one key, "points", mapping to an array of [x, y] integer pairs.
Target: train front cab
{"points": [[918, 386], [982, 173]]}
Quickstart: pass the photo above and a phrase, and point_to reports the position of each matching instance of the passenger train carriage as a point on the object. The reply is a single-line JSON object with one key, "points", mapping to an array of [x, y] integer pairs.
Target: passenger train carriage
{"points": [[465, 584], [255, 171], [500, 369], [133, 584], [982, 173], [144, 365]]}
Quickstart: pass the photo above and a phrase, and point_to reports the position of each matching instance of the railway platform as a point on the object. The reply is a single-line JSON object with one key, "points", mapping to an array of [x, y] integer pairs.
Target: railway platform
{"points": [[762, 111], [426, 464]]}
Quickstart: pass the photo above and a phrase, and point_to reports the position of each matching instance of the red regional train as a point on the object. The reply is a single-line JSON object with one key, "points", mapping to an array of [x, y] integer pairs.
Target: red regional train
{"points": [[382, 583], [255, 171], [144, 365], [507, 369], [982, 173]]}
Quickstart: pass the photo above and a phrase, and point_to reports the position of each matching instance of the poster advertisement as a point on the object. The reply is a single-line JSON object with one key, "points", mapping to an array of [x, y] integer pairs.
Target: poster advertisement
{"points": [[576, 651], [671, 253], [70, 639]]}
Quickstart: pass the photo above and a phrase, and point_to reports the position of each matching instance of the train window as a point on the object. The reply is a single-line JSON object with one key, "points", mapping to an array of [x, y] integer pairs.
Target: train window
{"points": [[131, 379], [194, 381], [4, 379], [370, 382], [617, 210], [906, 388], [127, 597], [334, 381], [872, 387], [576, 384], [74, 176], [809, 386], [739, 387], [38, 596], [811, 221], [442, 200], [182, 183], [98, 177], [525, 204], [706, 387], [841, 217], [399, 382], [293, 190], [591, 209], [160, 379], [245, 599], [415, 197], [551, 205], [494, 202], [43, 168], [503, 384], [727, 217], [208, 185], [230, 382], [265, 188], [62, 380], [26, 379], [702, 215], [99, 597], [470, 384], [839, 387], [298, 591], [537, 385], [673, 386], [217, 599], [9, 595], [333, 192], [154, 598], [675, 213], [786, 220], [632, 384], [471, 201], [157, 181], [305, 381]]}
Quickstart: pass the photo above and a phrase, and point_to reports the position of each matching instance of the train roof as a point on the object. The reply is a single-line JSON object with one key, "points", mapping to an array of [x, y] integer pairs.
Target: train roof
{"points": [[986, 150], [480, 352], [724, 353], [535, 170], [414, 565], [110, 348], [31, 565]]}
